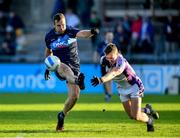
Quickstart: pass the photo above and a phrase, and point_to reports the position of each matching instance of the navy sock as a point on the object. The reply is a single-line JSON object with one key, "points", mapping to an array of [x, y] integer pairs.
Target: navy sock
{"points": [[61, 115], [147, 110], [150, 121]]}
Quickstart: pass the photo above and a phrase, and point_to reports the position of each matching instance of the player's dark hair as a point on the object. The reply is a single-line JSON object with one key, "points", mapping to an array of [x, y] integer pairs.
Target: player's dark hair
{"points": [[110, 48], [57, 17]]}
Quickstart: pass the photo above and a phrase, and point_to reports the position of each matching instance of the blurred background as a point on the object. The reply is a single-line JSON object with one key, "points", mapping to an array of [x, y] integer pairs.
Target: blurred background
{"points": [[146, 31]]}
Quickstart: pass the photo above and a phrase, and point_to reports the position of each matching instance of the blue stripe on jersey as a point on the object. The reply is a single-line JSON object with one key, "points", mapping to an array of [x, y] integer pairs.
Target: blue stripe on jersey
{"points": [[50, 61]]}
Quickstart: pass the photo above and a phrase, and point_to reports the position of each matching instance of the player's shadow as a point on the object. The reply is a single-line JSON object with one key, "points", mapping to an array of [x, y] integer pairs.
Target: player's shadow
{"points": [[50, 131], [27, 131], [76, 131]]}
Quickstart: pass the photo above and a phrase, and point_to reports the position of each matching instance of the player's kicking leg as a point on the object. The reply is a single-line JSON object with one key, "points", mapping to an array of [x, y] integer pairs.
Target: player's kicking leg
{"points": [[65, 71]]}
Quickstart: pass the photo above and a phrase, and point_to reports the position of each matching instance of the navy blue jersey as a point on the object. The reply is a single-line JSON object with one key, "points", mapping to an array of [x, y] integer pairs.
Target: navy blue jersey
{"points": [[64, 46]]}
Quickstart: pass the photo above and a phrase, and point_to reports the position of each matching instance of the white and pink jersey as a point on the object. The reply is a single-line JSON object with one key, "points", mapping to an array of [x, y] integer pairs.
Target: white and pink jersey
{"points": [[128, 76]]}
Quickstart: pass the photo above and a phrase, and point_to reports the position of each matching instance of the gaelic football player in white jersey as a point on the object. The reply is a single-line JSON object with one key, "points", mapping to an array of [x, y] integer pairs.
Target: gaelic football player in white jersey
{"points": [[129, 85]]}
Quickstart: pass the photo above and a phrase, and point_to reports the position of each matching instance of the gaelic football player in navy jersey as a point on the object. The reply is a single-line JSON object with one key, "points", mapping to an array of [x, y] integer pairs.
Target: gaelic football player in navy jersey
{"points": [[61, 41], [129, 85]]}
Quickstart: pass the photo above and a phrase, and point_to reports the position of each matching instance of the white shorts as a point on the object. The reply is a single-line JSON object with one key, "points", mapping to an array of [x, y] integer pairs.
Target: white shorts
{"points": [[129, 93]]}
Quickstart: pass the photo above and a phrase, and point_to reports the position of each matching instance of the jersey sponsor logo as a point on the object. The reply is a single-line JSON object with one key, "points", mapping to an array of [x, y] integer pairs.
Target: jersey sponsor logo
{"points": [[62, 42]]}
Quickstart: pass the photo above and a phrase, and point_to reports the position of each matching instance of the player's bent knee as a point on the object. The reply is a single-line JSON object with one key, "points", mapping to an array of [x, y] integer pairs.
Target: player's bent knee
{"points": [[138, 118]]}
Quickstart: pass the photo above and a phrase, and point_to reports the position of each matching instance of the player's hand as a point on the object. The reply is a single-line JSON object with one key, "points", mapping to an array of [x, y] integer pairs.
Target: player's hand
{"points": [[47, 74], [94, 31], [95, 81]]}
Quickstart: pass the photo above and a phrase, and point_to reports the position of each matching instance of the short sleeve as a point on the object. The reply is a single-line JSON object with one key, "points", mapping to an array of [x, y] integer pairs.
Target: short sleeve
{"points": [[120, 64], [72, 31]]}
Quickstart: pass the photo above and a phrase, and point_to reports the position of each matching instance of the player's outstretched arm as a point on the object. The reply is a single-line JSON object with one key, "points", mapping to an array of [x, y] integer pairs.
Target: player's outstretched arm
{"points": [[109, 76], [113, 73], [87, 33]]}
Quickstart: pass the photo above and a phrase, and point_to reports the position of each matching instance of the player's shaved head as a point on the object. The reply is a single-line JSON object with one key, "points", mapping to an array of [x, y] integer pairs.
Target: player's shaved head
{"points": [[110, 48], [57, 17]]}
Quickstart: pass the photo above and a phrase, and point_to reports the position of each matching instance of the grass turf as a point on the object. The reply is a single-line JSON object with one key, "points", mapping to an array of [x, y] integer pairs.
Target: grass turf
{"points": [[34, 115]]}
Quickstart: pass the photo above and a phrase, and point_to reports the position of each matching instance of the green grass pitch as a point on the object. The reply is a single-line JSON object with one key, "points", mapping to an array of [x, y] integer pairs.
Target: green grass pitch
{"points": [[34, 115]]}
